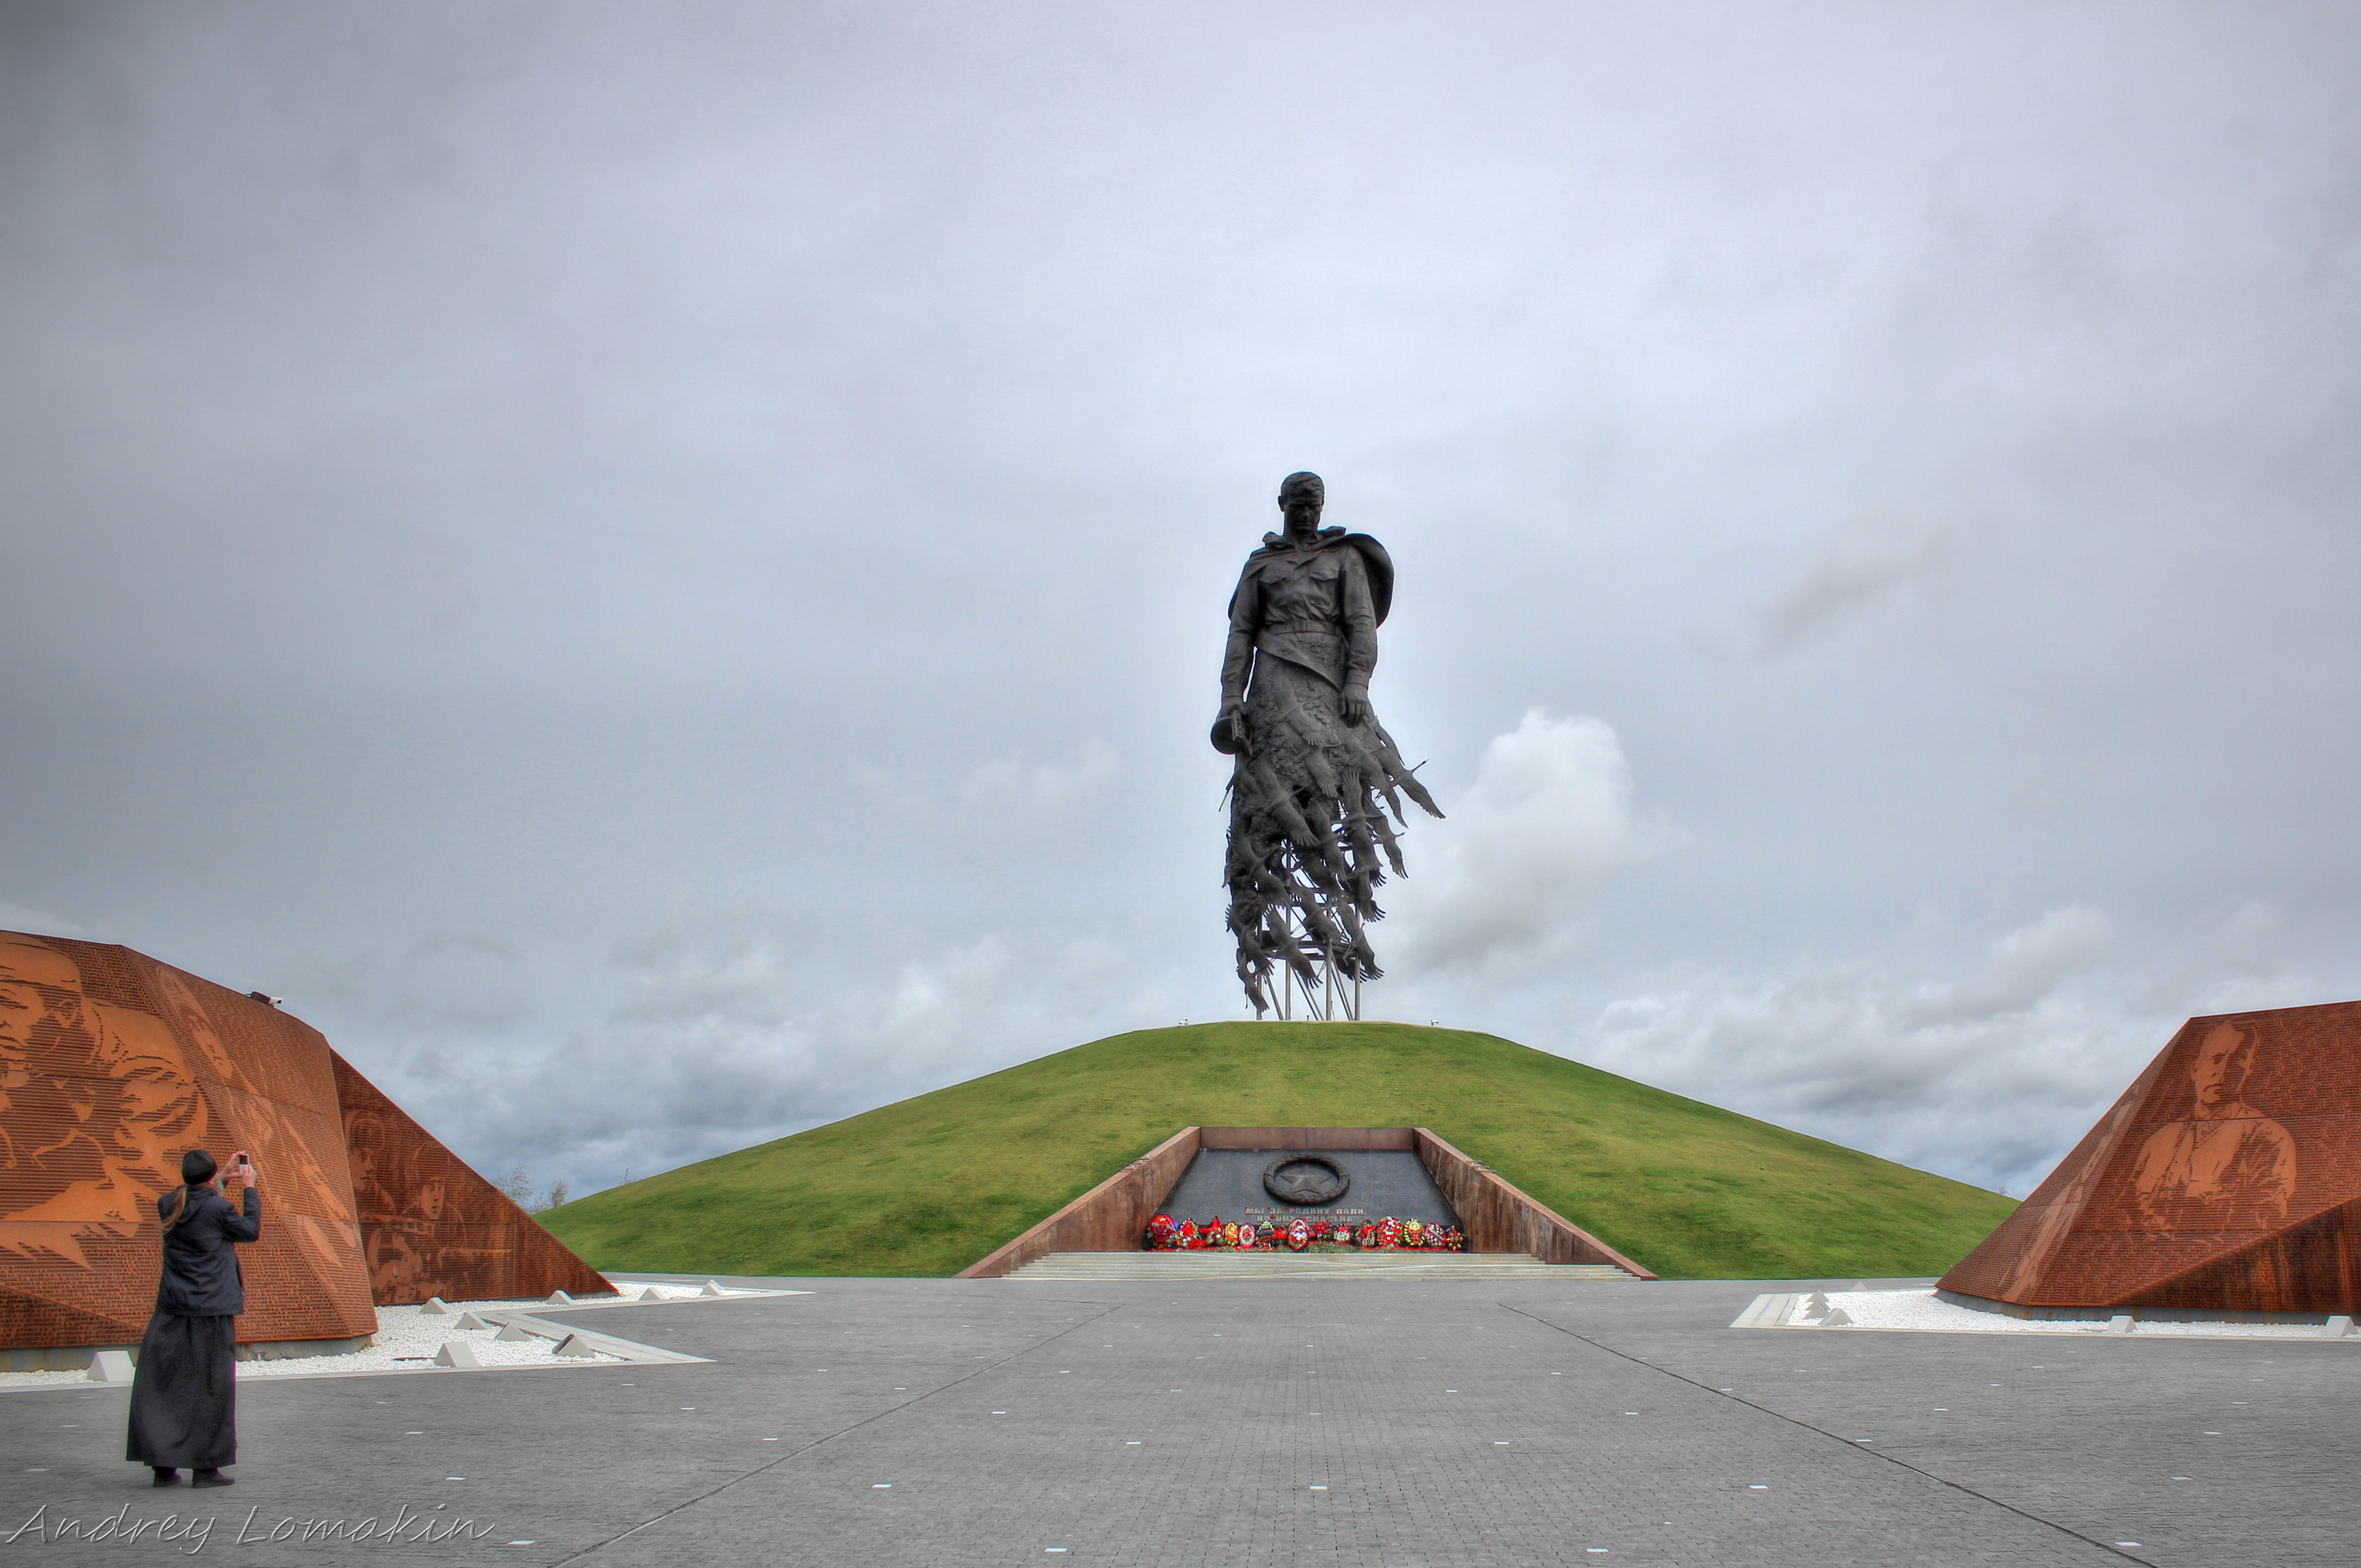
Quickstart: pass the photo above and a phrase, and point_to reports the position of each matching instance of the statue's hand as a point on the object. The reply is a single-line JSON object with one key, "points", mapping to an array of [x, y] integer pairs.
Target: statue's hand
{"points": [[1354, 709], [1230, 728]]}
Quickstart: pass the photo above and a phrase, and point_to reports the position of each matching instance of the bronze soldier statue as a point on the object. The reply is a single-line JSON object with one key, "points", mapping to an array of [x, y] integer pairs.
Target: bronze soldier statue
{"points": [[1314, 774]]}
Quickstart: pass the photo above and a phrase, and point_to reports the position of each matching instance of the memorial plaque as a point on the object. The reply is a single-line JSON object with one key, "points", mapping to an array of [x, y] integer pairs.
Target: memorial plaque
{"points": [[1277, 1185]]}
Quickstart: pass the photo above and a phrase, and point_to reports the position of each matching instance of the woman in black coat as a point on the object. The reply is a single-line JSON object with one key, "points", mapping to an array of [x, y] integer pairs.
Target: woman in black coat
{"points": [[184, 1392]]}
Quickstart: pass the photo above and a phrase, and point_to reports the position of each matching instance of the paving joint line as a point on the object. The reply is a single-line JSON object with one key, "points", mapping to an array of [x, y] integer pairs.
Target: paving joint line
{"points": [[797, 1453], [2106, 1546]]}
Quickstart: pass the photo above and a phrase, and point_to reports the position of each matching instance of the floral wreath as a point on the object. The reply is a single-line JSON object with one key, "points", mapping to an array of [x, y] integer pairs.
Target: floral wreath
{"points": [[1167, 1234]]}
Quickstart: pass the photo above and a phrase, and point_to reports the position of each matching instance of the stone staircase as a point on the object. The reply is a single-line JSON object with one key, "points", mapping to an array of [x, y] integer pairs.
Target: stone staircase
{"points": [[1258, 1265]]}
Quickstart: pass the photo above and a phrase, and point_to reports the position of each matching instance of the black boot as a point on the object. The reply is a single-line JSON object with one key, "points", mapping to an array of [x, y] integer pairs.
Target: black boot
{"points": [[165, 1478], [211, 1479]]}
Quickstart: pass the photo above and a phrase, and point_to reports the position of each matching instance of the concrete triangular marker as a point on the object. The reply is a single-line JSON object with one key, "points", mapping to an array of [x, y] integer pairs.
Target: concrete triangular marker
{"points": [[2338, 1327], [434, 1307], [650, 1295], [511, 1332], [469, 1321], [456, 1353], [573, 1344], [558, 1298], [1840, 1319], [109, 1366], [2121, 1324], [712, 1287]]}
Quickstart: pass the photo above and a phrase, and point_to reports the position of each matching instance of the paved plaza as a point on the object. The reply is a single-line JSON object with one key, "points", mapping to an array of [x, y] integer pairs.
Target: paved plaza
{"points": [[1237, 1422]]}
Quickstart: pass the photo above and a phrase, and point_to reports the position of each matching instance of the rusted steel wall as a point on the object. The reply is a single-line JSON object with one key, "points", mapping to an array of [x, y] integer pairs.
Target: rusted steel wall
{"points": [[430, 1226], [2313, 1266], [1343, 1139], [113, 1066], [1110, 1217], [2226, 1179], [1497, 1218]]}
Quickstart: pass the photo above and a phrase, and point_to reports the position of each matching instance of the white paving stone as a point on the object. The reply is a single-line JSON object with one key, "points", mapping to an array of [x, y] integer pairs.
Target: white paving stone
{"points": [[408, 1338], [1918, 1310]]}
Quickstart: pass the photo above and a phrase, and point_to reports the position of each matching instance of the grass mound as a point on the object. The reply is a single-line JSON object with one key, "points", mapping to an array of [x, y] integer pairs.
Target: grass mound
{"points": [[928, 1186]]}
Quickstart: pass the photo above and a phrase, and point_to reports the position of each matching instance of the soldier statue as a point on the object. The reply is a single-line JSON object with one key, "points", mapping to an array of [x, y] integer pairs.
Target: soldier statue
{"points": [[1314, 776]]}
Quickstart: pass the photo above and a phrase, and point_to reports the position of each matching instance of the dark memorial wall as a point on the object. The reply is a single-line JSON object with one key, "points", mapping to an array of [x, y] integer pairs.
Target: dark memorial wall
{"points": [[1228, 1184], [113, 1065], [2227, 1177]]}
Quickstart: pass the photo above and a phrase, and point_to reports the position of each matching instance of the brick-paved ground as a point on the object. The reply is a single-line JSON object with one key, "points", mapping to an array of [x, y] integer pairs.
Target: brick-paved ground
{"points": [[932, 1421]]}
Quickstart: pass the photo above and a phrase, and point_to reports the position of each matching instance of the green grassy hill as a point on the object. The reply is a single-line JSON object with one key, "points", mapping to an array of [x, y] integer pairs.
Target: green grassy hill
{"points": [[928, 1186]]}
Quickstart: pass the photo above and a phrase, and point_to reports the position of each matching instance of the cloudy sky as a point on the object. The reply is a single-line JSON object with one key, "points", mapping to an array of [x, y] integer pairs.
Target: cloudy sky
{"points": [[657, 571]]}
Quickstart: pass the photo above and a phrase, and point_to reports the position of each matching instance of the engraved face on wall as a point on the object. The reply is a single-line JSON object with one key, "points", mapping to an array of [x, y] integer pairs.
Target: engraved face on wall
{"points": [[421, 1238], [2228, 1166], [181, 1003], [95, 1104], [295, 1169], [2225, 1059]]}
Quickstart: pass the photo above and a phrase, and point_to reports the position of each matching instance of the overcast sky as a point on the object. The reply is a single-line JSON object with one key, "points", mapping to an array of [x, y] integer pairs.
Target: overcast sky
{"points": [[658, 570]]}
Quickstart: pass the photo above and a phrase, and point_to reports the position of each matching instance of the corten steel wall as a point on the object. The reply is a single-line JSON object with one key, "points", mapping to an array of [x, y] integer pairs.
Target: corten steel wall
{"points": [[1497, 1217], [430, 1226], [1112, 1216], [114, 1065], [2227, 1179]]}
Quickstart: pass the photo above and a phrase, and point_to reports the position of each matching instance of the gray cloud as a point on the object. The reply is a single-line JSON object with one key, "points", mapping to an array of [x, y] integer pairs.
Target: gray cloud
{"points": [[657, 571], [1844, 579], [1547, 818]]}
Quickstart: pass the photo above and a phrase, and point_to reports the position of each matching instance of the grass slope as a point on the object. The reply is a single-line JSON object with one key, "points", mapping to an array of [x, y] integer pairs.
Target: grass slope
{"points": [[929, 1185]]}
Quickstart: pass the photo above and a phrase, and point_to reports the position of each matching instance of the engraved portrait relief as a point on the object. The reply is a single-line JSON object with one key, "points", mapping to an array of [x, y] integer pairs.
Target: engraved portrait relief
{"points": [[180, 1005], [2228, 1166], [100, 1097], [421, 1243], [96, 1103], [306, 1204]]}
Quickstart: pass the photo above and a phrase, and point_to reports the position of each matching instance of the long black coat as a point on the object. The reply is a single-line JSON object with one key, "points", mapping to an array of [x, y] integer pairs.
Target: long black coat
{"points": [[201, 1274]]}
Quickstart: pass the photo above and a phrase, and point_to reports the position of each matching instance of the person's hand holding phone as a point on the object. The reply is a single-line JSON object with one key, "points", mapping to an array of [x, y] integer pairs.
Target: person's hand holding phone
{"points": [[243, 1171]]}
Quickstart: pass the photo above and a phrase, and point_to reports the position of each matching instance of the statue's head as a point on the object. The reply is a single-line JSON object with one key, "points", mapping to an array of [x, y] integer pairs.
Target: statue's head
{"points": [[1303, 489]]}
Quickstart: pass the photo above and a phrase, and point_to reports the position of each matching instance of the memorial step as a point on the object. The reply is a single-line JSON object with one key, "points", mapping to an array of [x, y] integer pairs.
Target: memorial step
{"points": [[1233, 1265]]}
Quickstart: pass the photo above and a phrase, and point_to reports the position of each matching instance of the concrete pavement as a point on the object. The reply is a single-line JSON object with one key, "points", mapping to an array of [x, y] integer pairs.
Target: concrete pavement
{"points": [[1255, 1422]]}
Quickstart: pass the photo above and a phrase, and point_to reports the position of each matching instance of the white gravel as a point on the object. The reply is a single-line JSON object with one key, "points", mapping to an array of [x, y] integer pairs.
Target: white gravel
{"points": [[1918, 1311], [407, 1340]]}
